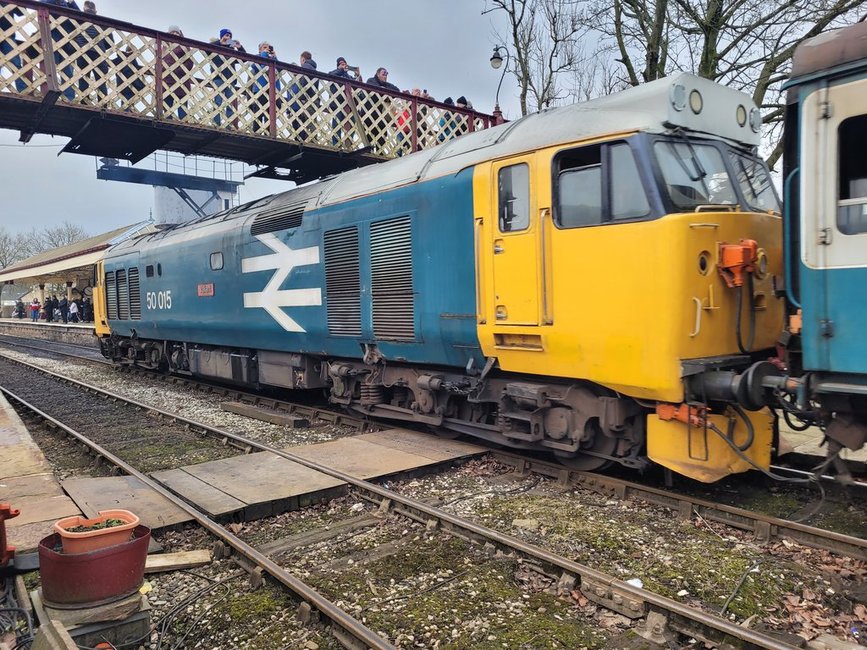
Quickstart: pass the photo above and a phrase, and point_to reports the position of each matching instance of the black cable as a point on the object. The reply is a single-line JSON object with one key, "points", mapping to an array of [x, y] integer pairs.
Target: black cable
{"points": [[738, 587], [749, 461], [793, 426], [750, 429], [739, 305]]}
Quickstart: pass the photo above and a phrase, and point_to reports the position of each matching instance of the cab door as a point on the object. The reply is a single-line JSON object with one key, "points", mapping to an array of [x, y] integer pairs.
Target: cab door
{"points": [[513, 244]]}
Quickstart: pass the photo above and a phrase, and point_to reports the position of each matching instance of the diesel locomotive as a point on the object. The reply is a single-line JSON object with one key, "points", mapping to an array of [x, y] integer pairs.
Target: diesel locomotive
{"points": [[597, 281]]}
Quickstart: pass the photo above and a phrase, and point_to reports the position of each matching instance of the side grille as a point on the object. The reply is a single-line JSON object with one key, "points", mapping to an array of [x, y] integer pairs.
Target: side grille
{"points": [[391, 279], [110, 296], [122, 295], [280, 218], [343, 282], [134, 295]]}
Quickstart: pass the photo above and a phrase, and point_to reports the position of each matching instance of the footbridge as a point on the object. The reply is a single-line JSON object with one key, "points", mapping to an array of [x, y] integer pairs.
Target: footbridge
{"points": [[123, 91]]}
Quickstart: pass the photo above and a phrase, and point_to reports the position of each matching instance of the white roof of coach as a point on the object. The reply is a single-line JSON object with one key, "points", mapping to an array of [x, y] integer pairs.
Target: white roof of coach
{"points": [[648, 107]]}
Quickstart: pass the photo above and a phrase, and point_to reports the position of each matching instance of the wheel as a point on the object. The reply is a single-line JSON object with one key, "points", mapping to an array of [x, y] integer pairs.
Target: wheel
{"points": [[601, 444]]}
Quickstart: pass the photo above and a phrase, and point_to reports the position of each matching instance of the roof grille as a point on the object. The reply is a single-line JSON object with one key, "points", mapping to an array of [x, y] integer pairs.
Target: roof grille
{"points": [[391, 279], [282, 217], [343, 282]]}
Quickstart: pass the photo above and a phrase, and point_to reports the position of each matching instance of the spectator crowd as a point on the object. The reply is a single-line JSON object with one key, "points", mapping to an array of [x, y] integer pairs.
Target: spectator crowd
{"points": [[77, 310], [87, 58]]}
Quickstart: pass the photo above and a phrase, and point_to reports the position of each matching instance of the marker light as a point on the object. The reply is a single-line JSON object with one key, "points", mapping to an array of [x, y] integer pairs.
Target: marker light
{"points": [[741, 115], [677, 95], [756, 120], [696, 102]]}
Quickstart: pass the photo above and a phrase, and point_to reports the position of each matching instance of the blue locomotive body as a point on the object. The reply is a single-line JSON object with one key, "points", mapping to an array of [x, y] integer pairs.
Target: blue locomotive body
{"points": [[390, 272]]}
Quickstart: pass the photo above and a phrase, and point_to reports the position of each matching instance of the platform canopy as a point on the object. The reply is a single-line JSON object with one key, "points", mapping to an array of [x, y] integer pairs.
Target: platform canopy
{"points": [[72, 263]]}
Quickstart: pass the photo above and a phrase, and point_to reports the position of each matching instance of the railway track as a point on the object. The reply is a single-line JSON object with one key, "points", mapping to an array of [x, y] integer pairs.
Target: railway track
{"points": [[660, 613]]}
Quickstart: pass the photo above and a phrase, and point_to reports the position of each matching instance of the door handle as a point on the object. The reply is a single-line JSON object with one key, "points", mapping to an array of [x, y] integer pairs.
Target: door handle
{"points": [[498, 249]]}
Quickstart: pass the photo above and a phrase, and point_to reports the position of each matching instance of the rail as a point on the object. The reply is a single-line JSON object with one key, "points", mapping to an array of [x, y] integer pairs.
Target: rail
{"points": [[68, 58]]}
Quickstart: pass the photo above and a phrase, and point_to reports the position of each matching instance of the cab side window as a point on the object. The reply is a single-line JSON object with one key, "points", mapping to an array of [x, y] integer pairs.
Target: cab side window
{"points": [[513, 191], [598, 184]]}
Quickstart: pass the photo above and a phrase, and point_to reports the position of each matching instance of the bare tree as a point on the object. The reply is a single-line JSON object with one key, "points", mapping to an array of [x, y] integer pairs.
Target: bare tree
{"points": [[544, 39], [745, 44], [58, 236], [12, 248]]}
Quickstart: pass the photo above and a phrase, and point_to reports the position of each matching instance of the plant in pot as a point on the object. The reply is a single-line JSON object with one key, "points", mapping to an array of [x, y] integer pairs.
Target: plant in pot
{"points": [[82, 535]]}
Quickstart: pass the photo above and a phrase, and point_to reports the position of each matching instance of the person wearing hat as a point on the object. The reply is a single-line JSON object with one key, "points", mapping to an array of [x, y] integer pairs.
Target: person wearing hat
{"points": [[223, 71], [342, 70], [342, 111], [177, 74]]}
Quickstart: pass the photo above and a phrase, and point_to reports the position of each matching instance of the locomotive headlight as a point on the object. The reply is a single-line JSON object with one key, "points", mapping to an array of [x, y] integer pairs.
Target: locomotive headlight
{"points": [[741, 114], [696, 101], [677, 97], [756, 120]]}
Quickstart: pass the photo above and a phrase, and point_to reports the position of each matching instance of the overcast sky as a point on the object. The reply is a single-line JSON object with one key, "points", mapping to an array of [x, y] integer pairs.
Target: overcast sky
{"points": [[441, 45]]}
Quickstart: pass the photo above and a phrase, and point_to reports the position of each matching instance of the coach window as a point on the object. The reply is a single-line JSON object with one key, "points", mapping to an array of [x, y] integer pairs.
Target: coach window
{"points": [[216, 261], [514, 198], [852, 205]]}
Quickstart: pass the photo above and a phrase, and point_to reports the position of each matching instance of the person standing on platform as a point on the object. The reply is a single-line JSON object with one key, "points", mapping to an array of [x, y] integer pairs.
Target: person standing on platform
{"points": [[64, 310], [73, 312], [34, 310]]}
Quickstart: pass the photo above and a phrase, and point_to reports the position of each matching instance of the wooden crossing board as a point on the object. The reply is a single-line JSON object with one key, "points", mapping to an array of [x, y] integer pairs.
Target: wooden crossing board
{"points": [[27, 484], [127, 492], [260, 484]]}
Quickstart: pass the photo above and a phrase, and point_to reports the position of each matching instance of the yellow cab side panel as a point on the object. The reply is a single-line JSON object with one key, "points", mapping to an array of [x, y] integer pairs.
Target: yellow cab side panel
{"points": [[100, 316], [620, 304]]}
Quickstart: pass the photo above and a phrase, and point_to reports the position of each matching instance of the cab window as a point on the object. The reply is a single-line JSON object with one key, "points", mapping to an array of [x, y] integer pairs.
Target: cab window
{"points": [[513, 192], [598, 184]]}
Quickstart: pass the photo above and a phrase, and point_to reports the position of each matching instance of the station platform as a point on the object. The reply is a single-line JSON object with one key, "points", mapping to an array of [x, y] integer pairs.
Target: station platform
{"points": [[809, 443], [28, 484], [75, 333]]}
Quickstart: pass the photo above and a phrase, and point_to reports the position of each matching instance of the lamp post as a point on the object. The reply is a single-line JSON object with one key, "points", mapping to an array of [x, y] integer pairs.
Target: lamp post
{"points": [[496, 64]]}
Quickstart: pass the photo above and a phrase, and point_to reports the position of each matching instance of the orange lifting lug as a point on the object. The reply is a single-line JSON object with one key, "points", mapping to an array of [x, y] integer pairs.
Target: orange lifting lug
{"points": [[695, 416], [737, 259]]}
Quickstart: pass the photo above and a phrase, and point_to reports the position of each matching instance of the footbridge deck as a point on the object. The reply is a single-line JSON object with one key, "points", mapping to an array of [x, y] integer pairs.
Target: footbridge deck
{"points": [[124, 91]]}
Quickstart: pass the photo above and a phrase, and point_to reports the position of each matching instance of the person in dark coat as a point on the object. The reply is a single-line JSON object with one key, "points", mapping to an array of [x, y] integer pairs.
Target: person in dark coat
{"points": [[380, 80], [64, 309], [95, 45], [305, 87], [341, 110], [129, 77], [10, 44], [223, 72], [66, 51], [177, 72]]}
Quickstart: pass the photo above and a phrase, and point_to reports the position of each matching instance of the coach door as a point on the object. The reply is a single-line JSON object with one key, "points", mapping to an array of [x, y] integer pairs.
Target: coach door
{"points": [[834, 227], [513, 244]]}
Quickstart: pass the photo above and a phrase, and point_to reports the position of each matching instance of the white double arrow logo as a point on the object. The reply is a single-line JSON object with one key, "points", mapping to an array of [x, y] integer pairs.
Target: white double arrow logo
{"points": [[272, 299]]}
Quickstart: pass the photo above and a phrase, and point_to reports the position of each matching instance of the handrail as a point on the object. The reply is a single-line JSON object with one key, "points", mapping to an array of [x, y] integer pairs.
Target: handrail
{"points": [[788, 262]]}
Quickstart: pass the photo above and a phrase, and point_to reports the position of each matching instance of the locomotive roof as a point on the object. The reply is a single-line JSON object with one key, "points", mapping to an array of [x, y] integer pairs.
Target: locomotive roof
{"points": [[648, 108]]}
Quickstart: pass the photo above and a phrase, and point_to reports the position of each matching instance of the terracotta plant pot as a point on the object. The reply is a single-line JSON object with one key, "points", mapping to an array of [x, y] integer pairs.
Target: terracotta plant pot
{"points": [[93, 540]]}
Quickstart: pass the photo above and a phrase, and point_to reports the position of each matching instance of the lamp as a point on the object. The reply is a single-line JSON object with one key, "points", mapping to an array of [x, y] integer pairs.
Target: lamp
{"points": [[496, 63]]}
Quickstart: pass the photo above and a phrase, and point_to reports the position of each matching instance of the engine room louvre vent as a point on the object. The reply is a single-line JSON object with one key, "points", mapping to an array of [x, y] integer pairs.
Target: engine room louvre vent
{"points": [[110, 296], [343, 282], [282, 217], [391, 279], [134, 294], [122, 295]]}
